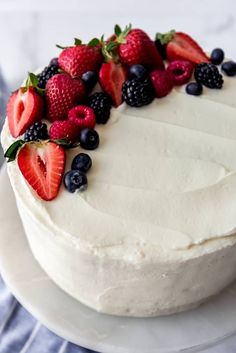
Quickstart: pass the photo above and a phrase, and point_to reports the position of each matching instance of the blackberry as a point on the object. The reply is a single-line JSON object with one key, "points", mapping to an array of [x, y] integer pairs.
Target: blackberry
{"points": [[100, 102], [137, 93], [208, 75], [46, 74], [37, 131]]}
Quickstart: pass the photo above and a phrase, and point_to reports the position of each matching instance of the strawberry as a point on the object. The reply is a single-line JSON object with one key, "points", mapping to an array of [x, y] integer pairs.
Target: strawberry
{"points": [[42, 165], [24, 108], [162, 82], [182, 46], [137, 48], [64, 130], [81, 58], [82, 116], [111, 78], [63, 93]]}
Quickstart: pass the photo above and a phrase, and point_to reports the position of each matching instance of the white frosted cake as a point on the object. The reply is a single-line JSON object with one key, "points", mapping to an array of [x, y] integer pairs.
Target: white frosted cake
{"points": [[155, 231]]}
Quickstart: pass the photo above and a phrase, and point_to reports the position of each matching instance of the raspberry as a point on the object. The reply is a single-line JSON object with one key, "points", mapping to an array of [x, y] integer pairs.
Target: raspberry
{"points": [[64, 130], [162, 82], [82, 116], [181, 70]]}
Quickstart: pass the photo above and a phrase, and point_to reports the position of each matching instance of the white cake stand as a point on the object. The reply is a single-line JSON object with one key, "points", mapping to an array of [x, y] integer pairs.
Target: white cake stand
{"points": [[190, 332]]}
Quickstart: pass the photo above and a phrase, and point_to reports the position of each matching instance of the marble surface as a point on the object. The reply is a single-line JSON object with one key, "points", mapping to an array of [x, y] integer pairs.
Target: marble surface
{"points": [[30, 29]]}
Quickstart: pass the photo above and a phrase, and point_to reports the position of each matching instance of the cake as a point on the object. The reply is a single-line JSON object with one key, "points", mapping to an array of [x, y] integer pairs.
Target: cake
{"points": [[154, 232]]}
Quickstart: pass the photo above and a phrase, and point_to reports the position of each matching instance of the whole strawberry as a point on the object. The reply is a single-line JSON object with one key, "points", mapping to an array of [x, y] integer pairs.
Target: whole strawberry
{"points": [[136, 47], [81, 58], [63, 93]]}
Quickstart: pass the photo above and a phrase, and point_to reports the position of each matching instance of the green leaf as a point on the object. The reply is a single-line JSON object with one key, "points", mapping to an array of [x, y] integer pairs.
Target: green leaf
{"points": [[65, 143], [117, 30], [77, 41], [11, 152], [32, 81], [60, 46], [165, 38], [93, 42]]}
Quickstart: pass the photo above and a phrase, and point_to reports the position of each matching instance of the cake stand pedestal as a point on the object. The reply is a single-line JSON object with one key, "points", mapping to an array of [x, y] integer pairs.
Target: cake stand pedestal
{"points": [[191, 331]]}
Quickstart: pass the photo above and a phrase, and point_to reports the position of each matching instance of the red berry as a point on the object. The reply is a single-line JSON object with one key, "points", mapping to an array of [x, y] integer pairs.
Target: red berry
{"points": [[64, 130], [23, 109], [162, 82], [82, 116], [111, 78], [79, 59], [137, 48], [181, 71], [182, 46], [42, 165], [63, 93]]}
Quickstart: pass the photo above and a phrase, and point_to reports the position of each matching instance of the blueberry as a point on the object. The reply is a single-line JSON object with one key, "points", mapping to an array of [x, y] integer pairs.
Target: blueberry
{"points": [[54, 61], [81, 162], [89, 139], [90, 79], [194, 88], [138, 71], [75, 180], [217, 56], [229, 68]]}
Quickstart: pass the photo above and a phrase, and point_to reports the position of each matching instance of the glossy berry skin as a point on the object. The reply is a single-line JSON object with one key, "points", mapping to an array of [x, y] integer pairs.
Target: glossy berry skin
{"points": [[181, 71], [89, 139], [100, 102], [229, 68], [194, 89], [75, 180], [81, 162], [37, 131], [137, 71], [217, 56], [138, 93], [90, 79], [46, 74], [208, 75]]}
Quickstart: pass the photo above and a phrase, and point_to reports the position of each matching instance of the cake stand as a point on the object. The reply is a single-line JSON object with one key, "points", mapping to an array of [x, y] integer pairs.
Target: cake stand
{"points": [[191, 331]]}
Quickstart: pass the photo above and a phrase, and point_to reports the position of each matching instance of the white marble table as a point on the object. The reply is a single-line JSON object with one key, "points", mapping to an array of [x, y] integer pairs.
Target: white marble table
{"points": [[30, 29]]}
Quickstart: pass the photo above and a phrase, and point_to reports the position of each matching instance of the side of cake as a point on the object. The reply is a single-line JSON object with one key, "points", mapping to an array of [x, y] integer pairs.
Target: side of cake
{"points": [[154, 233]]}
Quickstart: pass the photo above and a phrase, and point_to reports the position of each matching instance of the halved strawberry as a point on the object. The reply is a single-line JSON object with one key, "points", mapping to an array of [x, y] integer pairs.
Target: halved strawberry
{"points": [[42, 165], [23, 109], [182, 46], [111, 78]]}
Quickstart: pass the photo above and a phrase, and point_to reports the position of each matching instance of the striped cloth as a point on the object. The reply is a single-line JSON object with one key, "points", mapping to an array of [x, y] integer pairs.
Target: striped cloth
{"points": [[22, 333]]}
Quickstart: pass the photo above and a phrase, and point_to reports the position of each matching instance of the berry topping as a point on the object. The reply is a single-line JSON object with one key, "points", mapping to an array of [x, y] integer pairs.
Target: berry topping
{"points": [[137, 48], [89, 139], [64, 130], [194, 88], [100, 102], [111, 79], [75, 180], [162, 82], [183, 47], [37, 131], [137, 93], [181, 71], [208, 75], [46, 74], [23, 109], [79, 59], [82, 116], [62, 94], [54, 62], [81, 162], [42, 165], [138, 71], [217, 56], [90, 79], [161, 42], [229, 68]]}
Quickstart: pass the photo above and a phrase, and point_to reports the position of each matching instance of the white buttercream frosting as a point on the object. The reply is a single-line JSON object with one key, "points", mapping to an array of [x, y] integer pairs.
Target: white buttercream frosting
{"points": [[162, 184]]}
